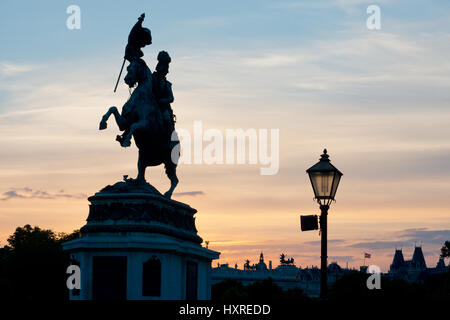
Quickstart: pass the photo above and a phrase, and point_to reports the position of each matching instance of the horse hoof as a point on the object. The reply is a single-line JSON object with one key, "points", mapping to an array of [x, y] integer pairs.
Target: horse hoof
{"points": [[126, 143], [168, 195], [103, 125]]}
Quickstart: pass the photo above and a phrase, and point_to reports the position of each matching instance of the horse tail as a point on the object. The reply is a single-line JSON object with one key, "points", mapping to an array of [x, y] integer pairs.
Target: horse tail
{"points": [[171, 170]]}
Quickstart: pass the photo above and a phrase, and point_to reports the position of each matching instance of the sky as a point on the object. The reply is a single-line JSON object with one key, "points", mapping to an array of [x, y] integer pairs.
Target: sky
{"points": [[378, 100]]}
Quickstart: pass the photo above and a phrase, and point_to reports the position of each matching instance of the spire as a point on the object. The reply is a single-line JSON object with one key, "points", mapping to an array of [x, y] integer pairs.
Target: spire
{"points": [[261, 265], [398, 261], [418, 259], [440, 264]]}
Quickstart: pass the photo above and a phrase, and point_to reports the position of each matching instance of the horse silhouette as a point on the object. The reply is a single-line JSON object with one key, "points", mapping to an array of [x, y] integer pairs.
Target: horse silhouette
{"points": [[141, 119]]}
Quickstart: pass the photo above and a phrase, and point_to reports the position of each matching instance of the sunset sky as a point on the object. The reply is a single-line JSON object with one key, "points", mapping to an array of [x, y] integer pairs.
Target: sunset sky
{"points": [[378, 100]]}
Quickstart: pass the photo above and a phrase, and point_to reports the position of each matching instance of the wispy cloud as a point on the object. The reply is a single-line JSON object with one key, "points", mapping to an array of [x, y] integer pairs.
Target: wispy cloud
{"points": [[231, 242], [346, 5], [419, 236], [28, 193], [426, 236], [375, 245], [343, 258], [271, 60], [12, 69], [317, 242], [189, 193]]}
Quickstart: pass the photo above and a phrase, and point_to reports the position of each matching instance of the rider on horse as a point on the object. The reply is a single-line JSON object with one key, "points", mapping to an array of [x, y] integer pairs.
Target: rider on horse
{"points": [[138, 38], [162, 89], [147, 116]]}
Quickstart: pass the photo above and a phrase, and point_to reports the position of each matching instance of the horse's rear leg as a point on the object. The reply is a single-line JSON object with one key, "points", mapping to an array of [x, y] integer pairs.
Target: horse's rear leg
{"points": [[141, 168], [140, 125], [171, 171]]}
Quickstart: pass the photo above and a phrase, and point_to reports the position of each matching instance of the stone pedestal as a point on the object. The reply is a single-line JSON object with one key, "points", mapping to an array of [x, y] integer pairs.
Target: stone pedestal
{"points": [[138, 245]]}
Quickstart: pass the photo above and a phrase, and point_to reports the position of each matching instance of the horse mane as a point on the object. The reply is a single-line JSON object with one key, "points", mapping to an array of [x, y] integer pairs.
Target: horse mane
{"points": [[143, 93], [143, 86], [148, 72]]}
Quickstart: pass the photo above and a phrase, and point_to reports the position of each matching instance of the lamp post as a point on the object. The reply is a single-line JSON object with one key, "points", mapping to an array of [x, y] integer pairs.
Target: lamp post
{"points": [[324, 180]]}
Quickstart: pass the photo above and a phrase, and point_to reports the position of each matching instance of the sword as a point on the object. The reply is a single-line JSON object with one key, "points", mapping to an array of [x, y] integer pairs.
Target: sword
{"points": [[120, 73]]}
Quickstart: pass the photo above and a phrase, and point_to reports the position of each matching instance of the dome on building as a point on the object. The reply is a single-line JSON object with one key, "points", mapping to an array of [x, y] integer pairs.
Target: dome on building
{"points": [[261, 265], [334, 267]]}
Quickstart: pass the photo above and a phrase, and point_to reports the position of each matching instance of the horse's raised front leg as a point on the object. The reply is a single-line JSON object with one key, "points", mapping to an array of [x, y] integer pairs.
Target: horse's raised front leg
{"points": [[121, 122], [103, 123]]}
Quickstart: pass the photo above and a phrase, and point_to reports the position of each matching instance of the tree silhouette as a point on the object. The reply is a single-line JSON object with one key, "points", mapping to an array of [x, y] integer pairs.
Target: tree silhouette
{"points": [[437, 286], [352, 287], [259, 291], [445, 250], [33, 266], [229, 290]]}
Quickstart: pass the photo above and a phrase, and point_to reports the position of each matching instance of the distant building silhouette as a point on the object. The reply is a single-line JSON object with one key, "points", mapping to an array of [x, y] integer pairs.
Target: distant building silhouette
{"points": [[441, 265], [414, 269], [286, 275], [261, 264]]}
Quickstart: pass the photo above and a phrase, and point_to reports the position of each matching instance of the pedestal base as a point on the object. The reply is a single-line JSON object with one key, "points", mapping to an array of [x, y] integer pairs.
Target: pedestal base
{"points": [[140, 246]]}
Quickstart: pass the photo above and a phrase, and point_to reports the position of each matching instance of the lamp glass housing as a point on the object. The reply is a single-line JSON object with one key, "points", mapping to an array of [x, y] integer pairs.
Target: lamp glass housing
{"points": [[325, 179]]}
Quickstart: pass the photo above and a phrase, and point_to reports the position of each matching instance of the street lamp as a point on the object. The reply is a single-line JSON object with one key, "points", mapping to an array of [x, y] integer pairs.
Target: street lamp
{"points": [[324, 180]]}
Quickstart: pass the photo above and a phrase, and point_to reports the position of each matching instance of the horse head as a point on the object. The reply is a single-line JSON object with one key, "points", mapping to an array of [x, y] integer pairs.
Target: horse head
{"points": [[137, 72]]}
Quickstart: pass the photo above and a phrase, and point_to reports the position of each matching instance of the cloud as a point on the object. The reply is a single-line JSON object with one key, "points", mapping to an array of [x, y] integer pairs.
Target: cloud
{"points": [[231, 242], [313, 243], [419, 236], [426, 236], [12, 69], [343, 258], [189, 193], [271, 60], [28, 193], [11, 194], [375, 245], [310, 86], [349, 6]]}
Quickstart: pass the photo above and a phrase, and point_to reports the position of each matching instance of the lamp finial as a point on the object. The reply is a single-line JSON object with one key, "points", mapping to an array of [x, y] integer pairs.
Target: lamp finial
{"points": [[324, 156]]}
